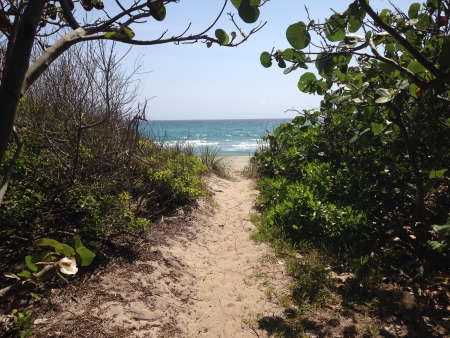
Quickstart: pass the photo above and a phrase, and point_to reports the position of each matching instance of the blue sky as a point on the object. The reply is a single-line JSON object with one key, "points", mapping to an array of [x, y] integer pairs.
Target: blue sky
{"points": [[191, 82]]}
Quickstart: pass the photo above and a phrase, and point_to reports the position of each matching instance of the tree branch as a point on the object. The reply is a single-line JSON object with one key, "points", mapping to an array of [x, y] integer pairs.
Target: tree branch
{"points": [[403, 70], [50, 55], [68, 15]]}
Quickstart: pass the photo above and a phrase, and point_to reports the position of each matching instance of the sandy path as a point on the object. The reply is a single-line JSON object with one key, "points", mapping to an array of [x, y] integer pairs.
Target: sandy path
{"points": [[222, 258], [199, 286]]}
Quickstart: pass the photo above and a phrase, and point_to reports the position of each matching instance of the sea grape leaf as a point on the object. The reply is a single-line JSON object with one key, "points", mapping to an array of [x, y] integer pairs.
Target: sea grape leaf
{"points": [[411, 22], [222, 36], [413, 11], [354, 138], [85, 256], [437, 173], [25, 273], [266, 59], [248, 10], [281, 63], [417, 68], [306, 82], [128, 32], [48, 242], [30, 261], [335, 28], [384, 95], [236, 3], [11, 275], [66, 250], [377, 128], [298, 36], [288, 70], [157, 10], [355, 21], [77, 242]]}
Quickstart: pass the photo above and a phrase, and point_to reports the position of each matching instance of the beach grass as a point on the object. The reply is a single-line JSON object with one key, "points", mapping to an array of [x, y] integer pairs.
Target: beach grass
{"points": [[214, 162]]}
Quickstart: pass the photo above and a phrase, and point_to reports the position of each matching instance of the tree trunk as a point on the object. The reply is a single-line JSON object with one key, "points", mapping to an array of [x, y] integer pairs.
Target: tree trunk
{"points": [[11, 84]]}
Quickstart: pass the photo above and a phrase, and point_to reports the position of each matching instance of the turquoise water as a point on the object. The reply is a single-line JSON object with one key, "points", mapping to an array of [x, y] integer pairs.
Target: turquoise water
{"points": [[233, 137]]}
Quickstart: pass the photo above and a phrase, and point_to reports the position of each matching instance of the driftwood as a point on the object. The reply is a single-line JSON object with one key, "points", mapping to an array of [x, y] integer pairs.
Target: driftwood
{"points": [[29, 284]]}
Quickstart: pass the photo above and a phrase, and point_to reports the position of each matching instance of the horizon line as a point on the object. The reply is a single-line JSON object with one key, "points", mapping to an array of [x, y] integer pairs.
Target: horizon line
{"points": [[266, 118]]}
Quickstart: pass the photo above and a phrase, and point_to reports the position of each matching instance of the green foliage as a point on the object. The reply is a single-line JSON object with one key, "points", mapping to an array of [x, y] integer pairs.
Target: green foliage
{"points": [[175, 174], [157, 10], [298, 36], [374, 157], [222, 36], [248, 9], [24, 321], [299, 189], [440, 243]]}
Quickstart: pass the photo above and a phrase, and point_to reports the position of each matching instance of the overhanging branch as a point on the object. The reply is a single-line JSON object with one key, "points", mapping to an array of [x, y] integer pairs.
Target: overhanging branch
{"points": [[396, 35]]}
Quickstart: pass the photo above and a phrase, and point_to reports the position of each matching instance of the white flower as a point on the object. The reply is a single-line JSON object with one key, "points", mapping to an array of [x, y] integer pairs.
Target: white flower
{"points": [[68, 266]]}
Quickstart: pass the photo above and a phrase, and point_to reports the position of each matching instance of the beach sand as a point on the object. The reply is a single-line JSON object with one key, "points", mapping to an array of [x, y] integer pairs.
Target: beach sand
{"points": [[236, 163]]}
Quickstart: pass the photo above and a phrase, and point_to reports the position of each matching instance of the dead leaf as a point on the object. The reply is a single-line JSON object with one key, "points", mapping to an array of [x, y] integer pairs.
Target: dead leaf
{"points": [[343, 276], [339, 286], [412, 236], [429, 293], [396, 239]]}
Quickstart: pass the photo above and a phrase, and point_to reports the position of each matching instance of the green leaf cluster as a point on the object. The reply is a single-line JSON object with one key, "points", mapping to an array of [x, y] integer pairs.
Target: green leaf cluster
{"points": [[24, 321], [80, 253]]}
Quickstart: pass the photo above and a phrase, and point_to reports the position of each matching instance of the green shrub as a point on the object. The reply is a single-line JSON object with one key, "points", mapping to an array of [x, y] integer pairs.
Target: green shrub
{"points": [[106, 192], [308, 208], [176, 175]]}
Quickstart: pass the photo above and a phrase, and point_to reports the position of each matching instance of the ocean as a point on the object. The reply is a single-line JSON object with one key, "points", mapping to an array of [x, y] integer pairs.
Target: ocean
{"points": [[232, 137]]}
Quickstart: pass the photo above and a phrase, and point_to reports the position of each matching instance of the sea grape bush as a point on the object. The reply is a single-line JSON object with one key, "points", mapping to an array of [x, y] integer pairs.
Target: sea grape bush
{"points": [[302, 192], [380, 140]]}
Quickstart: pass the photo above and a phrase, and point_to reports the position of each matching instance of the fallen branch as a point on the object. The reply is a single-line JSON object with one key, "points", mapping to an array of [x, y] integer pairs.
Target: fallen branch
{"points": [[29, 284]]}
